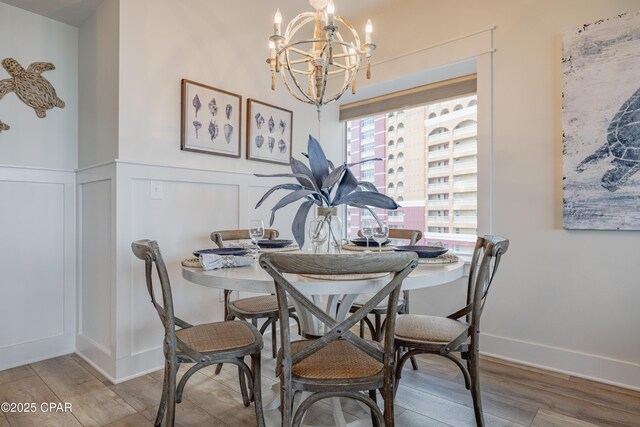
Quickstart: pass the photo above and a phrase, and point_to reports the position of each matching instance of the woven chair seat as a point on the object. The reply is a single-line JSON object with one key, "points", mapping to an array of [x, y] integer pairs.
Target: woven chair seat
{"points": [[428, 329], [218, 336], [337, 360], [363, 298], [255, 305]]}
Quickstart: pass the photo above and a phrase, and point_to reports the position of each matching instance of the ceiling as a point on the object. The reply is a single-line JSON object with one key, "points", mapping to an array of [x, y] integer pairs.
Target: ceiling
{"points": [[74, 12]]}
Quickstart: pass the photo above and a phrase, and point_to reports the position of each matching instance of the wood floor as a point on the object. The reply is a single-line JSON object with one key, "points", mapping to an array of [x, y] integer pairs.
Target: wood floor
{"points": [[432, 396]]}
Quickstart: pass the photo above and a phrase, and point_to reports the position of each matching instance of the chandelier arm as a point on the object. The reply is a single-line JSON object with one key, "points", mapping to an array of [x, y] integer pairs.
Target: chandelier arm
{"points": [[295, 81], [342, 67], [299, 61], [299, 51], [302, 72]]}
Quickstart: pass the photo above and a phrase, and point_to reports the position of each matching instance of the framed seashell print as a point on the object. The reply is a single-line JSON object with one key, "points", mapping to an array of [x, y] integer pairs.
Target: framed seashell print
{"points": [[269, 133], [210, 120]]}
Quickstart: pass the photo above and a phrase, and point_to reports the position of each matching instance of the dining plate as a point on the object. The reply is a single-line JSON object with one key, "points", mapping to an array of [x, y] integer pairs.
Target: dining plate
{"points": [[361, 241], [222, 251], [423, 251], [274, 243]]}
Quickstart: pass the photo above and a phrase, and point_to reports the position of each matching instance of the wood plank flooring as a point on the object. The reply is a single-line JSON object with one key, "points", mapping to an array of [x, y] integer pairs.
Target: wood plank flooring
{"points": [[513, 395]]}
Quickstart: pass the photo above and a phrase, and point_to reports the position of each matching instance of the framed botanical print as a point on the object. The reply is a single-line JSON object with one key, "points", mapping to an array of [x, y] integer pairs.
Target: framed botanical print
{"points": [[269, 133], [210, 120]]}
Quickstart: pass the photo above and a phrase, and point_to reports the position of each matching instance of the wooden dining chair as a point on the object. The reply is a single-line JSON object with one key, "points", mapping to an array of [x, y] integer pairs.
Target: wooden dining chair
{"points": [[460, 331], [339, 363], [375, 327], [253, 308], [203, 345]]}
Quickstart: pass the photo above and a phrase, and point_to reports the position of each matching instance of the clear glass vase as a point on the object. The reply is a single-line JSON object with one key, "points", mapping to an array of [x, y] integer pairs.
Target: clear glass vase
{"points": [[325, 231]]}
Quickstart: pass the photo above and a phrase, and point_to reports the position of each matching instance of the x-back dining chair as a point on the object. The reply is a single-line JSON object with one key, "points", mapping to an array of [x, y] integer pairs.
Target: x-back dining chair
{"points": [[204, 344], [460, 331], [253, 308], [339, 363], [413, 236]]}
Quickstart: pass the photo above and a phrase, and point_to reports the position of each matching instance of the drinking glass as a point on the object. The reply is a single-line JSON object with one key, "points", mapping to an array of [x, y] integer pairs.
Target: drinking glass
{"points": [[256, 232], [380, 234], [367, 231]]}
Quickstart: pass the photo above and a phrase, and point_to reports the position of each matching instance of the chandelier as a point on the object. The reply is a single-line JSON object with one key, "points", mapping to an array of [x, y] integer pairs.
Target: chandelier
{"points": [[319, 55]]}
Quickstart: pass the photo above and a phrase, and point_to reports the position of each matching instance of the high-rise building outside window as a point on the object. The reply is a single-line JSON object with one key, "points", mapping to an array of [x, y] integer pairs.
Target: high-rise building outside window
{"points": [[429, 167]]}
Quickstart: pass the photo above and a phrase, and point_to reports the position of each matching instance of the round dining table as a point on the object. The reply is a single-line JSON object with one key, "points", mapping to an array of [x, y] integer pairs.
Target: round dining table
{"points": [[339, 293], [335, 293]]}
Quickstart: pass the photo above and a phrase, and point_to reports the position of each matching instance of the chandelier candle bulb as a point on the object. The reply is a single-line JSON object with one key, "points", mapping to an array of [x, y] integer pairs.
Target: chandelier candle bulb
{"points": [[331, 10], [368, 30], [277, 21]]}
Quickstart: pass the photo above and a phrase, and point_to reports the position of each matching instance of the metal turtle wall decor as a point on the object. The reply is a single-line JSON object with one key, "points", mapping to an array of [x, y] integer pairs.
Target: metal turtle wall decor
{"points": [[30, 87]]}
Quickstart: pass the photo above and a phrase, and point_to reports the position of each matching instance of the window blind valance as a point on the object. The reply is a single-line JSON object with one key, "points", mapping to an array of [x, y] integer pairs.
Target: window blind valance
{"points": [[420, 95]]}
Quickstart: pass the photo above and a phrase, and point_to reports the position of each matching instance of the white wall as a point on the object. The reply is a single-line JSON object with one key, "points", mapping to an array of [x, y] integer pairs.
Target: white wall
{"points": [[559, 300], [37, 218], [216, 43], [161, 42], [98, 86], [50, 142]]}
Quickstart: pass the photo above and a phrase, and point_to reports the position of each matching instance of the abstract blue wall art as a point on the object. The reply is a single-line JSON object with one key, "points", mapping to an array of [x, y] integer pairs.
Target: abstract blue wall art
{"points": [[601, 123]]}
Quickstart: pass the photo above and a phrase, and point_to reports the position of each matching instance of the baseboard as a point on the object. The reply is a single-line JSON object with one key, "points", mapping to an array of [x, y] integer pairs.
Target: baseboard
{"points": [[588, 366], [39, 358]]}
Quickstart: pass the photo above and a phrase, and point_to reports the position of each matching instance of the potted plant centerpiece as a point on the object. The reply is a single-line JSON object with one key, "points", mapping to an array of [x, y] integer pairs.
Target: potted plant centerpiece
{"points": [[327, 187]]}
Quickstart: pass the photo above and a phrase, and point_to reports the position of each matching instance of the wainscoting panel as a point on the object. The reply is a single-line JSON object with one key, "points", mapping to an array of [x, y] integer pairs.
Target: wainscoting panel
{"points": [[97, 311], [37, 264], [181, 222], [95, 293], [178, 207]]}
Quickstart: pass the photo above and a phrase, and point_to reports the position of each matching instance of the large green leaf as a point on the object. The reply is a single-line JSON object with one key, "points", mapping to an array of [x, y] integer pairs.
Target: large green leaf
{"points": [[299, 222], [317, 161], [278, 187]]}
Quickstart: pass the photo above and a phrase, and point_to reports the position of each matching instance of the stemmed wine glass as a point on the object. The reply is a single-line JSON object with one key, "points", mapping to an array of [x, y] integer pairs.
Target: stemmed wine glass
{"points": [[256, 232], [367, 230], [380, 234]]}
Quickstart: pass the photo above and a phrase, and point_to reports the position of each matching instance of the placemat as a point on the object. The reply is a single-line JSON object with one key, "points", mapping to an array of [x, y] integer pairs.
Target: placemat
{"points": [[355, 248], [439, 260], [345, 276], [191, 263]]}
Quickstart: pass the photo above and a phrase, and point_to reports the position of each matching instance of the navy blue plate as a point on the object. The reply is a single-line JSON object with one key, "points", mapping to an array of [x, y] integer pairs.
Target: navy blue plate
{"points": [[222, 251], [275, 243], [424, 251], [361, 241]]}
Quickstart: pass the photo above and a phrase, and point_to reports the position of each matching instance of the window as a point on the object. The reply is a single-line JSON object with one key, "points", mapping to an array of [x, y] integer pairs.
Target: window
{"points": [[438, 130], [427, 167]]}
